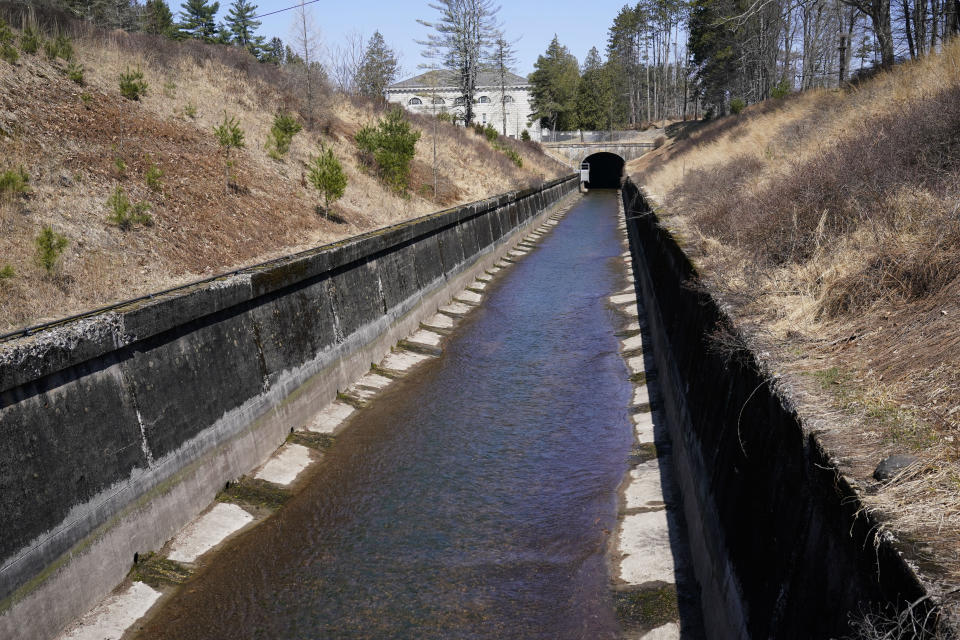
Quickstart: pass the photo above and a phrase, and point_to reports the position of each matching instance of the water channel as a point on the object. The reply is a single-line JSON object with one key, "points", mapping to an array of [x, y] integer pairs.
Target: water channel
{"points": [[474, 498]]}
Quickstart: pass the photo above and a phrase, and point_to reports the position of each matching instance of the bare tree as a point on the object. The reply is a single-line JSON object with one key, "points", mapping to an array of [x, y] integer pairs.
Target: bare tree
{"points": [[306, 38], [460, 41], [344, 62], [503, 57]]}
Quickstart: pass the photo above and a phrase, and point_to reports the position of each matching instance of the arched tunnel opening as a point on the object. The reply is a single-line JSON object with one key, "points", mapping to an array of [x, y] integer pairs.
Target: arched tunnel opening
{"points": [[606, 170]]}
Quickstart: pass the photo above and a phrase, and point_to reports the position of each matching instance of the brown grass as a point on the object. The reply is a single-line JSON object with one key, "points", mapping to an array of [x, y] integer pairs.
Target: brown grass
{"points": [[69, 138], [831, 220]]}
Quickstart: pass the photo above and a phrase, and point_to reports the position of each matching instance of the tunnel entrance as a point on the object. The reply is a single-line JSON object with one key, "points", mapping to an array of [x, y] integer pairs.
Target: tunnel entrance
{"points": [[606, 170]]}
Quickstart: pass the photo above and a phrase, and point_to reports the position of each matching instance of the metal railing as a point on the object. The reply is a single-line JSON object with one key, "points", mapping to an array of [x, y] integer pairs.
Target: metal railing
{"points": [[591, 136]]}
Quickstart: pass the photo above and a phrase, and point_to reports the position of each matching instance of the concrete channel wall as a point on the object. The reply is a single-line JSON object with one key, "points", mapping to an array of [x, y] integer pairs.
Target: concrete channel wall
{"points": [[778, 546], [116, 429]]}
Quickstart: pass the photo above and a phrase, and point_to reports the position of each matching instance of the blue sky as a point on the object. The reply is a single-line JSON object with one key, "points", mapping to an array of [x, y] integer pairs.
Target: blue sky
{"points": [[534, 23]]}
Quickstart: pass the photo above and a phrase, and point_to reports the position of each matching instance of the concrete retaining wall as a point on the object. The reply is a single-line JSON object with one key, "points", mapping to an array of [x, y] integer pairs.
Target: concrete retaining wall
{"points": [[779, 548], [116, 429]]}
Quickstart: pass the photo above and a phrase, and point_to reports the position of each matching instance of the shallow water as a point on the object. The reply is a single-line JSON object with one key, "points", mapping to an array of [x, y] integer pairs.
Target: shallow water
{"points": [[473, 499]]}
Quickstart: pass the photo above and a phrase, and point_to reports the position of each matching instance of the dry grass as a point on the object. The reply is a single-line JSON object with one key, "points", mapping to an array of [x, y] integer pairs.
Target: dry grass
{"points": [[69, 137], [830, 221]]}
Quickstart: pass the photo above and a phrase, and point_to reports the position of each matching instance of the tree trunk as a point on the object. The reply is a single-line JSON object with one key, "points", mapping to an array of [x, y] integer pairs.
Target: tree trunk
{"points": [[880, 15], [907, 29]]}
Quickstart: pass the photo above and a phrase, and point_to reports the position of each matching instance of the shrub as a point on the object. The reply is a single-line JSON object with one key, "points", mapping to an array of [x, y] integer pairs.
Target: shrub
{"points": [[390, 146], [30, 40], [327, 176], [7, 50], [525, 135], [285, 126], [6, 272], [124, 214], [514, 156], [229, 136], [490, 133], [14, 181], [132, 85], [780, 90], [58, 47], [86, 99], [120, 166], [190, 111], [75, 72], [444, 116], [50, 246], [153, 177], [737, 105]]}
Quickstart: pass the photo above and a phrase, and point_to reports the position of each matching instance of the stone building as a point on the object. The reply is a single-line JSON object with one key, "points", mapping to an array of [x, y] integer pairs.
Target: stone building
{"points": [[437, 91]]}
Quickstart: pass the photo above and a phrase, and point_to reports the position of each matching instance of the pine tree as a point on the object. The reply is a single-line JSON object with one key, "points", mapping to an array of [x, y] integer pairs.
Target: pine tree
{"points": [[157, 18], [272, 52], [197, 19], [594, 95], [241, 24], [554, 81], [377, 69]]}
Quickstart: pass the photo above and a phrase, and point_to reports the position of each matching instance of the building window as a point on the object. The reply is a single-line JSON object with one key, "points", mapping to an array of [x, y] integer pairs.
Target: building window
{"points": [[484, 118], [458, 102], [415, 101], [508, 98], [484, 99], [439, 101]]}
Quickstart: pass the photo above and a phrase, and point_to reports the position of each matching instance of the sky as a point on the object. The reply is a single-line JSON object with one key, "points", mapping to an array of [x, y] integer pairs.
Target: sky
{"points": [[532, 24]]}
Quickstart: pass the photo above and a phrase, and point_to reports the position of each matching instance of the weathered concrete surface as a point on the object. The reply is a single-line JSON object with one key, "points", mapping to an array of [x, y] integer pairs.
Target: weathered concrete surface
{"points": [[116, 430], [112, 617], [780, 543], [208, 531], [285, 465]]}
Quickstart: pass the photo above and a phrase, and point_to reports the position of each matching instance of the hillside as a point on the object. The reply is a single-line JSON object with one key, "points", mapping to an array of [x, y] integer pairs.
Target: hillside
{"points": [[78, 142], [829, 222]]}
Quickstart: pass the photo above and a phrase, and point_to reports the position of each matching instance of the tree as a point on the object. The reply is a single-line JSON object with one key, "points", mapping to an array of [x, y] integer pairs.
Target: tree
{"points": [[390, 146], [157, 18], [460, 41], [378, 68], [272, 52], [503, 58], [327, 176], [594, 95], [241, 24], [197, 19], [229, 136], [554, 91], [49, 247], [879, 12], [307, 42]]}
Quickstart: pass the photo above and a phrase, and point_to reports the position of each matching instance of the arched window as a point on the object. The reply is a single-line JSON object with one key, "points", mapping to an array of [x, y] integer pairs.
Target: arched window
{"points": [[508, 98], [439, 101], [484, 99], [458, 102], [415, 101]]}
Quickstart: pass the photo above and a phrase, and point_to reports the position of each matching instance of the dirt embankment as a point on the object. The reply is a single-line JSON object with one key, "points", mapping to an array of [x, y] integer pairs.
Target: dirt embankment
{"points": [[830, 223], [78, 142]]}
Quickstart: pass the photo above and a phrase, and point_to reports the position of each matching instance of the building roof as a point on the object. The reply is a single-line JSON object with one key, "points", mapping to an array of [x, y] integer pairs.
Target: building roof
{"points": [[445, 78]]}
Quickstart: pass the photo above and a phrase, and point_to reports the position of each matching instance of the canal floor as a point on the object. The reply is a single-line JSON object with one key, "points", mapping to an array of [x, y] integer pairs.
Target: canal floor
{"points": [[474, 498]]}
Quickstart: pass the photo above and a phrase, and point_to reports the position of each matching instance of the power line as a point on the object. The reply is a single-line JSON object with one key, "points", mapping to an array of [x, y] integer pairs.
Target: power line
{"points": [[264, 15]]}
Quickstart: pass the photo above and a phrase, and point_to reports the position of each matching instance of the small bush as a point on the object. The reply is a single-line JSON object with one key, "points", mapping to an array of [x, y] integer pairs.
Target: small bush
{"points": [[6, 272], [229, 136], [125, 214], [515, 157], [75, 72], [120, 166], [58, 47], [86, 99], [153, 177], [327, 176], [490, 133], [525, 135], [390, 146], [8, 53], [190, 111], [30, 40], [737, 105], [14, 181], [285, 126], [132, 85], [6, 34], [49, 247], [780, 90], [444, 116]]}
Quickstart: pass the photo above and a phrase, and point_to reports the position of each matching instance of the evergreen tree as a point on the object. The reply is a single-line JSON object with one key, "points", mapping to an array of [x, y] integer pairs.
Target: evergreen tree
{"points": [[272, 52], [594, 95], [197, 19], [554, 81], [378, 68], [241, 24], [157, 18]]}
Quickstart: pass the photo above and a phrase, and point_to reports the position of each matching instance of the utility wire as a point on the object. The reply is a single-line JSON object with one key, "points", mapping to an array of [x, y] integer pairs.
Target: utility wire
{"points": [[264, 15]]}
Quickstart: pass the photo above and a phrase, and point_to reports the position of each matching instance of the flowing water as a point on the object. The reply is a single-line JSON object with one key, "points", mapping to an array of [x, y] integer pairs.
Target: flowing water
{"points": [[474, 498]]}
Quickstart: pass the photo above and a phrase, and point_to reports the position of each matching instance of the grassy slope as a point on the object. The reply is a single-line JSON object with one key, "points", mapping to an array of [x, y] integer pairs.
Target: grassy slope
{"points": [[69, 148], [830, 222]]}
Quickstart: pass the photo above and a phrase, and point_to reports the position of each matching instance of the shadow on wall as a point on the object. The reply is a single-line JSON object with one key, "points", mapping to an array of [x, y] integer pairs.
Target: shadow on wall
{"points": [[606, 170]]}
